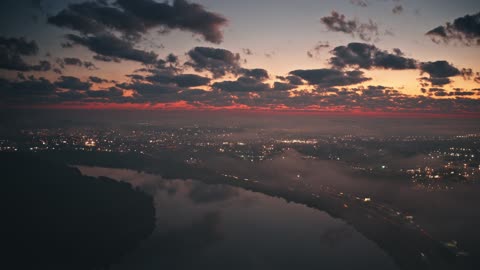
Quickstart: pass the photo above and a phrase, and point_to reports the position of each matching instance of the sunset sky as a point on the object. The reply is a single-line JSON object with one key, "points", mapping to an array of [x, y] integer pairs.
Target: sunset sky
{"points": [[307, 55]]}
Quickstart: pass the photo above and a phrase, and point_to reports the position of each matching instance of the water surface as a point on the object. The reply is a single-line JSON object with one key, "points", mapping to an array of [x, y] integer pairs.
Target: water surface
{"points": [[221, 227]]}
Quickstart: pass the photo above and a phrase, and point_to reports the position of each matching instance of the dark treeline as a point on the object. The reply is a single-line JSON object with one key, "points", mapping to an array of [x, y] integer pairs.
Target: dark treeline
{"points": [[56, 218]]}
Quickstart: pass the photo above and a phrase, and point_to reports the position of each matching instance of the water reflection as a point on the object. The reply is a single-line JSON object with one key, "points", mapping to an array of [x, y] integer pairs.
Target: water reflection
{"points": [[222, 227]]}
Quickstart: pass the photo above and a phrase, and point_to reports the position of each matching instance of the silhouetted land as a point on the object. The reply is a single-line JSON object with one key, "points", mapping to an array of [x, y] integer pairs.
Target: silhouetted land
{"points": [[56, 218]]}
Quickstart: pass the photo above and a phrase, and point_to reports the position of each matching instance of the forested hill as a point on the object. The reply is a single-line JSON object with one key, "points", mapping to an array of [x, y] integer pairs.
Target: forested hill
{"points": [[60, 219]]}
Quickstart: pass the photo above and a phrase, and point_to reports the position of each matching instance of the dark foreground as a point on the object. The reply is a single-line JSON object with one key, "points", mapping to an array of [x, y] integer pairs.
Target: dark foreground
{"points": [[405, 241], [56, 218]]}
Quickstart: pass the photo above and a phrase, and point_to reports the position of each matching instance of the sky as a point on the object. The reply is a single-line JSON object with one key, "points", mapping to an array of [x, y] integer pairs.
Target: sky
{"points": [[355, 56]]}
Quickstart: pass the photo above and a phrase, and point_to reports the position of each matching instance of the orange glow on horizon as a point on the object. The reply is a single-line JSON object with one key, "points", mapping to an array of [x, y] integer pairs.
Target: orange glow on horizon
{"points": [[240, 108]]}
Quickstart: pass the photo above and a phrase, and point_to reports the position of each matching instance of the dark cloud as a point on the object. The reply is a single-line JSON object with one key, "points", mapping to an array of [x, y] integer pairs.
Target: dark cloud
{"points": [[291, 79], [66, 45], [96, 79], [12, 51], [41, 66], [330, 77], [242, 84], [257, 73], [111, 92], [461, 92], [398, 52], [71, 18], [477, 77], [436, 81], [160, 77], [104, 58], [89, 65], [181, 15], [72, 83], [136, 77], [247, 51], [26, 91], [467, 73], [169, 77], [441, 92], [439, 72], [439, 69], [362, 55], [269, 54], [280, 86], [360, 3], [30, 86], [316, 50], [295, 80], [465, 30], [199, 97], [151, 92], [436, 89], [71, 61], [218, 61], [172, 58], [97, 17], [70, 95], [339, 23], [112, 47], [19, 46], [397, 9], [193, 94], [190, 80], [36, 4], [134, 18]]}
